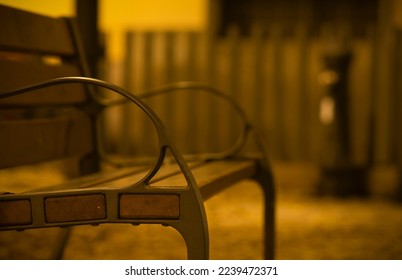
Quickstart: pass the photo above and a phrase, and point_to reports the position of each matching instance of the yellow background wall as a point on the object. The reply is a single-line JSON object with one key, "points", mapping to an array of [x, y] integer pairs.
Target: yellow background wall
{"points": [[116, 16]]}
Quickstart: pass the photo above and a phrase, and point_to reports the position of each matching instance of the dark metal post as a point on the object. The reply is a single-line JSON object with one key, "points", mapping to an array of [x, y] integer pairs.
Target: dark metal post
{"points": [[340, 176], [87, 18]]}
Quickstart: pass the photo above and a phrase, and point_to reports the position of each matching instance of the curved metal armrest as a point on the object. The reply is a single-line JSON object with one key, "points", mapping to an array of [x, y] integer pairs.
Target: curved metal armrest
{"points": [[170, 88], [165, 140]]}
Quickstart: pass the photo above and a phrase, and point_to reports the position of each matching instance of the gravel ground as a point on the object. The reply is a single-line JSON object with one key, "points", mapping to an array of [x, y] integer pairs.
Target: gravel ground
{"points": [[308, 227]]}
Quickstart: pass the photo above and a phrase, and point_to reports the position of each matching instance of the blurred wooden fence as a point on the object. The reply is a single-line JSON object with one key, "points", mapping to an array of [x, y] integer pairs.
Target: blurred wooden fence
{"points": [[275, 78]]}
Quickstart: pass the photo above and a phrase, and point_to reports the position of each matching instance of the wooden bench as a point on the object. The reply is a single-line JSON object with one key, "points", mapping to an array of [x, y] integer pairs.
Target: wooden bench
{"points": [[49, 111]]}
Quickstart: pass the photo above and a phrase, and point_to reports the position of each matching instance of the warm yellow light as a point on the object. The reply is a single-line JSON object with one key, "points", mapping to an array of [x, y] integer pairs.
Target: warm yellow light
{"points": [[153, 14], [46, 7], [119, 16]]}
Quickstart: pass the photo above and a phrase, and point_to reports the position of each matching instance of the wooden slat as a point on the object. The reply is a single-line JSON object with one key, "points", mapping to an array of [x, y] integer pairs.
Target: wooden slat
{"points": [[219, 175], [213, 177], [110, 179], [149, 206], [33, 141], [75, 208], [119, 178], [23, 71], [21, 30], [16, 212]]}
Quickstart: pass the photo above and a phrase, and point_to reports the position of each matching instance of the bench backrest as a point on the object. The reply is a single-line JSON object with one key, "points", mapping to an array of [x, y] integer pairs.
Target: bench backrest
{"points": [[47, 124]]}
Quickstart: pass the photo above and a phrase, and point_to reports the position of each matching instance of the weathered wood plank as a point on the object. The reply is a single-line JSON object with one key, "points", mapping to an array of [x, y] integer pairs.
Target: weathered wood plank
{"points": [[107, 179], [21, 30], [213, 177], [17, 212], [149, 206], [33, 141], [18, 71], [75, 208]]}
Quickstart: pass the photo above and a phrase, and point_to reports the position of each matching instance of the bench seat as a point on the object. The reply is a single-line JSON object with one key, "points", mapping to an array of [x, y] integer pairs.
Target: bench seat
{"points": [[118, 196]]}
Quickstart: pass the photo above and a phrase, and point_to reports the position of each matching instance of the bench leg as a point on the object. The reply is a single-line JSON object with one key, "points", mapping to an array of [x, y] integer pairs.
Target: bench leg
{"points": [[196, 242], [265, 179], [193, 227], [61, 243]]}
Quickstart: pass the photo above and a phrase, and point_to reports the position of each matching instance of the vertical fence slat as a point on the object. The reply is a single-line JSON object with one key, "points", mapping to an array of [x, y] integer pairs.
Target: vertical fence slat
{"points": [[398, 105], [277, 80], [315, 93], [212, 59], [192, 104], [234, 72], [257, 94], [139, 134], [205, 53], [303, 132], [360, 97], [382, 100], [181, 112], [290, 109]]}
